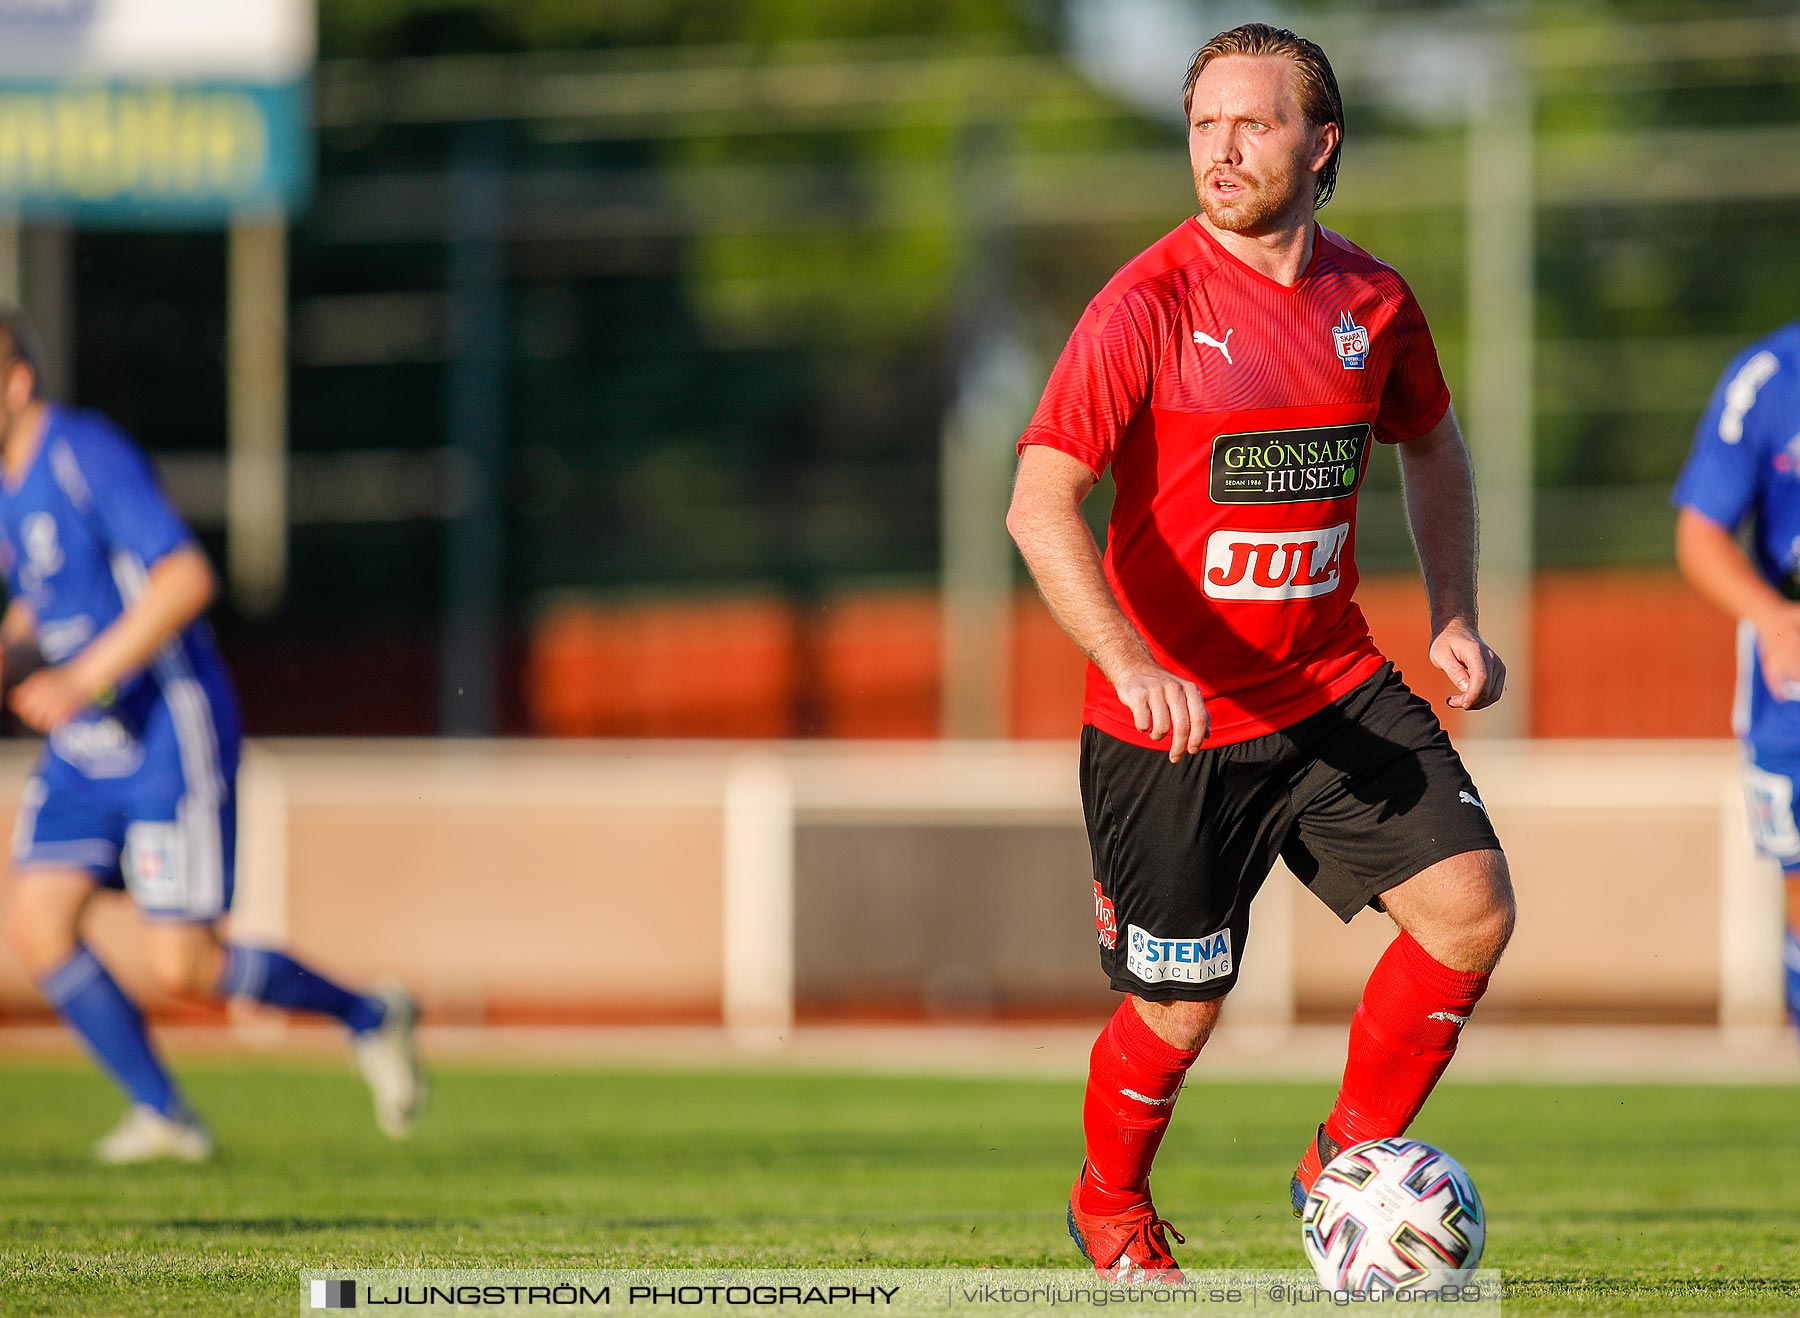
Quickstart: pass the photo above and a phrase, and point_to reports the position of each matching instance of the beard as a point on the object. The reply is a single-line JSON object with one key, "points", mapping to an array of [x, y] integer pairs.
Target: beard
{"points": [[1262, 203]]}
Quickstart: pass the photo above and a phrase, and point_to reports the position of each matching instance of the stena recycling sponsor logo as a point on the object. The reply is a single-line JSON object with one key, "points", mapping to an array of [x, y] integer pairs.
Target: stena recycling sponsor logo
{"points": [[1181, 960], [1274, 565]]}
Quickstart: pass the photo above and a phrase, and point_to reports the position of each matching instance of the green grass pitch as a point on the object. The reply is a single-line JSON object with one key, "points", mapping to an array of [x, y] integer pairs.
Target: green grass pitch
{"points": [[1601, 1199]]}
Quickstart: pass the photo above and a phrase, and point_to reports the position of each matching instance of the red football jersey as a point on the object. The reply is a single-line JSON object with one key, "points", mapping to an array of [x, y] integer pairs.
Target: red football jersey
{"points": [[1236, 415]]}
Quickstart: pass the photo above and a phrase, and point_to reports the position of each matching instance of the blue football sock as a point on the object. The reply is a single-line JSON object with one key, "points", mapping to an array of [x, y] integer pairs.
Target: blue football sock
{"points": [[1790, 957], [113, 1028], [277, 980]]}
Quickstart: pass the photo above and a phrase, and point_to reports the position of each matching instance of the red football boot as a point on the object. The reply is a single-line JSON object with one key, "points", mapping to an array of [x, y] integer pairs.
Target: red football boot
{"points": [[1128, 1246]]}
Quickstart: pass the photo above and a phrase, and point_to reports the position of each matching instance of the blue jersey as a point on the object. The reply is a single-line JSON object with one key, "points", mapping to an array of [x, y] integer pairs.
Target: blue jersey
{"points": [[79, 533], [1745, 469]]}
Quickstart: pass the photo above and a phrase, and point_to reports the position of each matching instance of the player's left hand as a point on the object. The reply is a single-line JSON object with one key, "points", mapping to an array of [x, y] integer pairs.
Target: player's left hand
{"points": [[51, 697], [1478, 674]]}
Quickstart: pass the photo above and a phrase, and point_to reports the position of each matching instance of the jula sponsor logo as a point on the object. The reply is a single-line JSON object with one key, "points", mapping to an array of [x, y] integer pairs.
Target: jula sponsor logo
{"points": [[1274, 565]]}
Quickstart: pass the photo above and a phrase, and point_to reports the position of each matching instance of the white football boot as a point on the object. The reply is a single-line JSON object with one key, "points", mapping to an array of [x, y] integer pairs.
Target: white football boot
{"points": [[146, 1135], [390, 1063]]}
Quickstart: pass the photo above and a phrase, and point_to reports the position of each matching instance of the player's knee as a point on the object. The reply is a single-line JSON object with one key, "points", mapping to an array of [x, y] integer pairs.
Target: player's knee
{"points": [[169, 979], [1461, 910], [41, 934], [19, 932], [1491, 927], [183, 973], [1185, 1025], [1490, 934]]}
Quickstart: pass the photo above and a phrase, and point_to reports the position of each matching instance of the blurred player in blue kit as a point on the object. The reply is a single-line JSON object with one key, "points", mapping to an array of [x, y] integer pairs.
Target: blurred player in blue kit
{"points": [[1744, 474], [107, 655]]}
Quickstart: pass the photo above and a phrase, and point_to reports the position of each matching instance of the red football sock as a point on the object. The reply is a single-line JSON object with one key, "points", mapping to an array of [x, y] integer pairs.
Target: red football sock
{"points": [[1401, 1039], [1133, 1078]]}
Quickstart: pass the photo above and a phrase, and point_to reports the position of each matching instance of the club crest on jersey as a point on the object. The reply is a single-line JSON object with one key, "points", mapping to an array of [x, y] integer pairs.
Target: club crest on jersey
{"points": [[1351, 341]]}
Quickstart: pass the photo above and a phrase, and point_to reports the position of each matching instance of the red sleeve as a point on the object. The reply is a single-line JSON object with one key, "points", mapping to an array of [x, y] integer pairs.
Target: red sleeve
{"points": [[1099, 384], [1415, 397]]}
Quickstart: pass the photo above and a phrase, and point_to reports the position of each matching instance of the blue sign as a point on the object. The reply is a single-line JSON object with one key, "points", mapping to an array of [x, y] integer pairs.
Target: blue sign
{"points": [[148, 153]]}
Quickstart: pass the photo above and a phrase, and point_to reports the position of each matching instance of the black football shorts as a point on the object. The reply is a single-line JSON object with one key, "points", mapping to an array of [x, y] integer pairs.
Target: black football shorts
{"points": [[1356, 798]]}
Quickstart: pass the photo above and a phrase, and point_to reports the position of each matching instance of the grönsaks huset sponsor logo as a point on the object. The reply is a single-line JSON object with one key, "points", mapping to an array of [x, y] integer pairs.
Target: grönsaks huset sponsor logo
{"points": [[1289, 466]]}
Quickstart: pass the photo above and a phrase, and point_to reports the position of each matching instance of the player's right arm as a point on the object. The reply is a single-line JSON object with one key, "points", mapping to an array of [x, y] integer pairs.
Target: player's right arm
{"points": [[1099, 385], [1716, 492], [137, 524], [177, 589], [1716, 566], [1046, 523]]}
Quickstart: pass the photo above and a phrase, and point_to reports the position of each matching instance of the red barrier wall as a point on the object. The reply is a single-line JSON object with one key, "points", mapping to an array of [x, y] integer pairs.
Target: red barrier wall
{"points": [[1615, 654]]}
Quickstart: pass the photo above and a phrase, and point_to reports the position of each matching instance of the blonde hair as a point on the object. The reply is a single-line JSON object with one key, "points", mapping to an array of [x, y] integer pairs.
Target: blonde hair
{"points": [[1314, 82]]}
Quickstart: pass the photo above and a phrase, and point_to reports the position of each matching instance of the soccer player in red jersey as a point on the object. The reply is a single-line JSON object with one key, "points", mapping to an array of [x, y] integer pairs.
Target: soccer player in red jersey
{"points": [[1232, 376]]}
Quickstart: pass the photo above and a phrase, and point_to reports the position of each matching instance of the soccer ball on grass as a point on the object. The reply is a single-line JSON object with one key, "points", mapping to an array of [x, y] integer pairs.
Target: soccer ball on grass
{"points": [[1393, 1215]]}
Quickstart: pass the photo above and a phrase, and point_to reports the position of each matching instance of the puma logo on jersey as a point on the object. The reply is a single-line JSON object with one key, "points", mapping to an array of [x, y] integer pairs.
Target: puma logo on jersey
{"points": [[1145, 1098], [1469, 798], [1452, 1017], [1209, 341]]}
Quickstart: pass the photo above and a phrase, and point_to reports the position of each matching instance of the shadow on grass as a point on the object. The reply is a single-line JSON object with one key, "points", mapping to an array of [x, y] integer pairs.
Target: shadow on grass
{"points": [[1662, 1214], [293, 1226]]}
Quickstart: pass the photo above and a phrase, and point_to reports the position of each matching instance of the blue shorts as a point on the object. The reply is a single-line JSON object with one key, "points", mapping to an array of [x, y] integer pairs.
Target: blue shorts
{"points": [[1769, 778], [173, 849]]}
